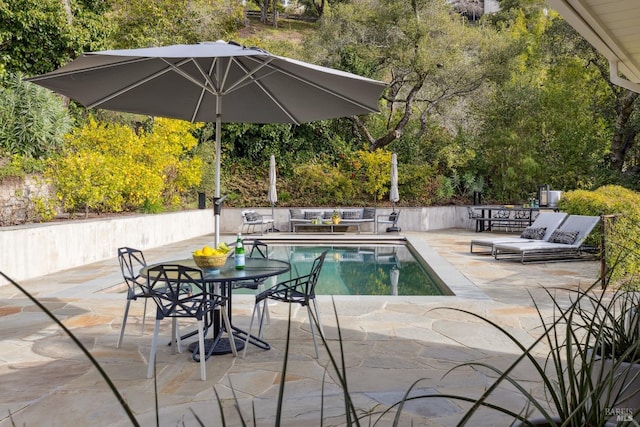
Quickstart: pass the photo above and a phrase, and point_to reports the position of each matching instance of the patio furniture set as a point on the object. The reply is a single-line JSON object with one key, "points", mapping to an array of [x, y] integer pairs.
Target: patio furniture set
{"points": [[552, 236], [181, 290], [322, 220], [507, 217]]}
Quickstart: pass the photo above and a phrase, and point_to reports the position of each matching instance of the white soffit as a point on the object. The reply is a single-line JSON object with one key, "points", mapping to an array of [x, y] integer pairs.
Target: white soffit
{"points": [[613, 28]]}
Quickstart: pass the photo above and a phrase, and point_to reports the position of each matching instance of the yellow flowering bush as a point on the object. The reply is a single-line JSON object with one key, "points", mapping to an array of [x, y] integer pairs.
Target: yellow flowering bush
{"points": [[111, 168]]}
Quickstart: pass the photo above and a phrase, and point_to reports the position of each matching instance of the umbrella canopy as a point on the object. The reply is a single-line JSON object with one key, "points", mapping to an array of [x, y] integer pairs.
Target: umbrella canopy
{"points": [[213, 82], [394, 195]]}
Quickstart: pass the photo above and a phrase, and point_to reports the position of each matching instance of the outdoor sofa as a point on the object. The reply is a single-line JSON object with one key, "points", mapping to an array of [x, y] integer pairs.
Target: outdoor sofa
{"points": [[348, 216]]}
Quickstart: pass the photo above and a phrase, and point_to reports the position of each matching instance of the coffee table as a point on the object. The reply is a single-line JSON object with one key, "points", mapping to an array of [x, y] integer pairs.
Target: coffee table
{"points": [[331, 227]]}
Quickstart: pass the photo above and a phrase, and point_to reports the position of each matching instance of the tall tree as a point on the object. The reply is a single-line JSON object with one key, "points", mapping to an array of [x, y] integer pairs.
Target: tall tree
{"points": [[620, 106], [432, 57], [143, 23], [37, 36]]}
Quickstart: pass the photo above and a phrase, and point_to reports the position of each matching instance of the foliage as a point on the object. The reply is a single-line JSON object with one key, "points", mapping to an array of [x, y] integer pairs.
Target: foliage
{"points": [[33, 120], [327, 183], [499, 107], [38, 36], [613, 322], [374, 171], [540, 126], [110, 168], [622, 248], [431, 59], [141, 23]]}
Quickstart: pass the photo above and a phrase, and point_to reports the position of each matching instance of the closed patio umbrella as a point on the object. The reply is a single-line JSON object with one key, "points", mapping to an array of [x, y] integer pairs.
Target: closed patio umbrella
{"points": [[213, 82], [272, 196], [394, 195]]}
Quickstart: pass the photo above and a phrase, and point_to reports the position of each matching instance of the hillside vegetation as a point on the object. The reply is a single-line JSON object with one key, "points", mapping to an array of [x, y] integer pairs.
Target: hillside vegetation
{"points": [[497, 105]]}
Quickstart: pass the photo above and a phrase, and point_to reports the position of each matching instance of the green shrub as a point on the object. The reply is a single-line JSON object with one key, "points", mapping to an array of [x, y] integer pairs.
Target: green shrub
{"points": [[325, 184], [110, 168], [33, 120], [622, 250]]}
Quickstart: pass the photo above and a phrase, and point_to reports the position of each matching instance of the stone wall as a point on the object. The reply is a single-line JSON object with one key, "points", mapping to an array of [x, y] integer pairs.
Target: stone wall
{"points": [[22, 199]]}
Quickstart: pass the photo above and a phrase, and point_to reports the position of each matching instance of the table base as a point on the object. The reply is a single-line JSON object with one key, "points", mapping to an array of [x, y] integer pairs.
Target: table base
{"points": [[223, 346]]}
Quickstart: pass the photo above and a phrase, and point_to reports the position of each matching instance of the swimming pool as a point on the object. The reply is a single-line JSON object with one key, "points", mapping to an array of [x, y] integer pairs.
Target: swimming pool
{"points": [[362, 269]]}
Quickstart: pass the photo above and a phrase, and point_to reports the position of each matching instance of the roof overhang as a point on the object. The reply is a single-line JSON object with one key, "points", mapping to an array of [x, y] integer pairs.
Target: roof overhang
{"points": [[612, 27]]}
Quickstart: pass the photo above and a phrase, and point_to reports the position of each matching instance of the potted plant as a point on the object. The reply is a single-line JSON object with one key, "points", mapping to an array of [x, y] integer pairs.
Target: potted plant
{"points": [[335, 217]]}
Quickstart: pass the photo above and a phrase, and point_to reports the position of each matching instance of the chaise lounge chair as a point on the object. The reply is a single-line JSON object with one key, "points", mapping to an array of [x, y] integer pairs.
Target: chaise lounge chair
{"points": [[565, 243], [549, 221]]}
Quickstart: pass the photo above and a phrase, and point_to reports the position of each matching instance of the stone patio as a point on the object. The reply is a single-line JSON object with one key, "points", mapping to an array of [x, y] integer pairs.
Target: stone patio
{"points": [[389, 344]]}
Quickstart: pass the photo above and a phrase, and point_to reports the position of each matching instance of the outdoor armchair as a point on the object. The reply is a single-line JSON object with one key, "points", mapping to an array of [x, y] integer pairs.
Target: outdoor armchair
{"points": [[299, 290], [391, 219], [131, 261], [167, 285], [252, 221]]}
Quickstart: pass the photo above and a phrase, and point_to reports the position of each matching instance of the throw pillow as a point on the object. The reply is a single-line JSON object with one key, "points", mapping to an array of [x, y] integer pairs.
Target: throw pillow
{"points": [[564, 237], [369, 213], [251, 216], [351, 214], [296, 213], [533, 233], [312, 214]]}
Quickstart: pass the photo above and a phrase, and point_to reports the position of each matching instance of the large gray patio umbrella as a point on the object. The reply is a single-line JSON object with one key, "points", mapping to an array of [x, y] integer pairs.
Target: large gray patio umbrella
{"points": [[213, 82], [394, 194]]}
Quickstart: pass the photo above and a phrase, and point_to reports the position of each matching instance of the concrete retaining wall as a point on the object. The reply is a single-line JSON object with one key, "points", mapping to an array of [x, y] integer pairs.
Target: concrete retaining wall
{"points": [[38, 249]]}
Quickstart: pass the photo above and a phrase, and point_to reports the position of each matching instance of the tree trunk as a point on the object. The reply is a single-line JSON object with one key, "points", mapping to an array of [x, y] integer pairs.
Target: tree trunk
{"points": [[624, 132], [264, 9], [275, 13]]}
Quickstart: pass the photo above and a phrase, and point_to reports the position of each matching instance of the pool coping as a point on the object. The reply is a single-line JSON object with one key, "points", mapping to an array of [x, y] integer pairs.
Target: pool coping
{"points": [[453, 279]]}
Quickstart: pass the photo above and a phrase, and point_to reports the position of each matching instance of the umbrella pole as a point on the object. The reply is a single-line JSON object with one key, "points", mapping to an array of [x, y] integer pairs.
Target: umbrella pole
{"points": [[216, 221]]}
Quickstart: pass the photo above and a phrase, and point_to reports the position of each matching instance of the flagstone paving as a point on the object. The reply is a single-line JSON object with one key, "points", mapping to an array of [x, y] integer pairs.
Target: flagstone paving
{"points": [[391, 346]]}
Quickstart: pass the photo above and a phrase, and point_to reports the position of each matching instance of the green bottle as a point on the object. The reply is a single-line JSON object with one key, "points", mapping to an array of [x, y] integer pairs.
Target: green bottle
{"points": [[239, 255]]}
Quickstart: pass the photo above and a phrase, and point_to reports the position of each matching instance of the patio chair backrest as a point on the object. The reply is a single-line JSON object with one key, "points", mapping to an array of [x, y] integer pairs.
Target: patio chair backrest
{"points": [[131, 261], [549, 220], [178, 291], [312, 277]]}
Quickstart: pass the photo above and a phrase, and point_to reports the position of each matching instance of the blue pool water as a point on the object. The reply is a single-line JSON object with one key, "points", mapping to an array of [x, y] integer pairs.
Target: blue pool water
{"points": [[388, 269]]}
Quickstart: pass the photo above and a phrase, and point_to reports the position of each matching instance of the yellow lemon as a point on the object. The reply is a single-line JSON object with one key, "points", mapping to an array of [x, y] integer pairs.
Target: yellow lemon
{"points": [[207, 251], [198, 252]]}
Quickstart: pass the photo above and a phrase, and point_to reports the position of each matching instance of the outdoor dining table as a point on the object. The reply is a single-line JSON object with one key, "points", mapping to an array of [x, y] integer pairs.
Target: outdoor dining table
{"points": [[221, 280], [484, 222]]}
